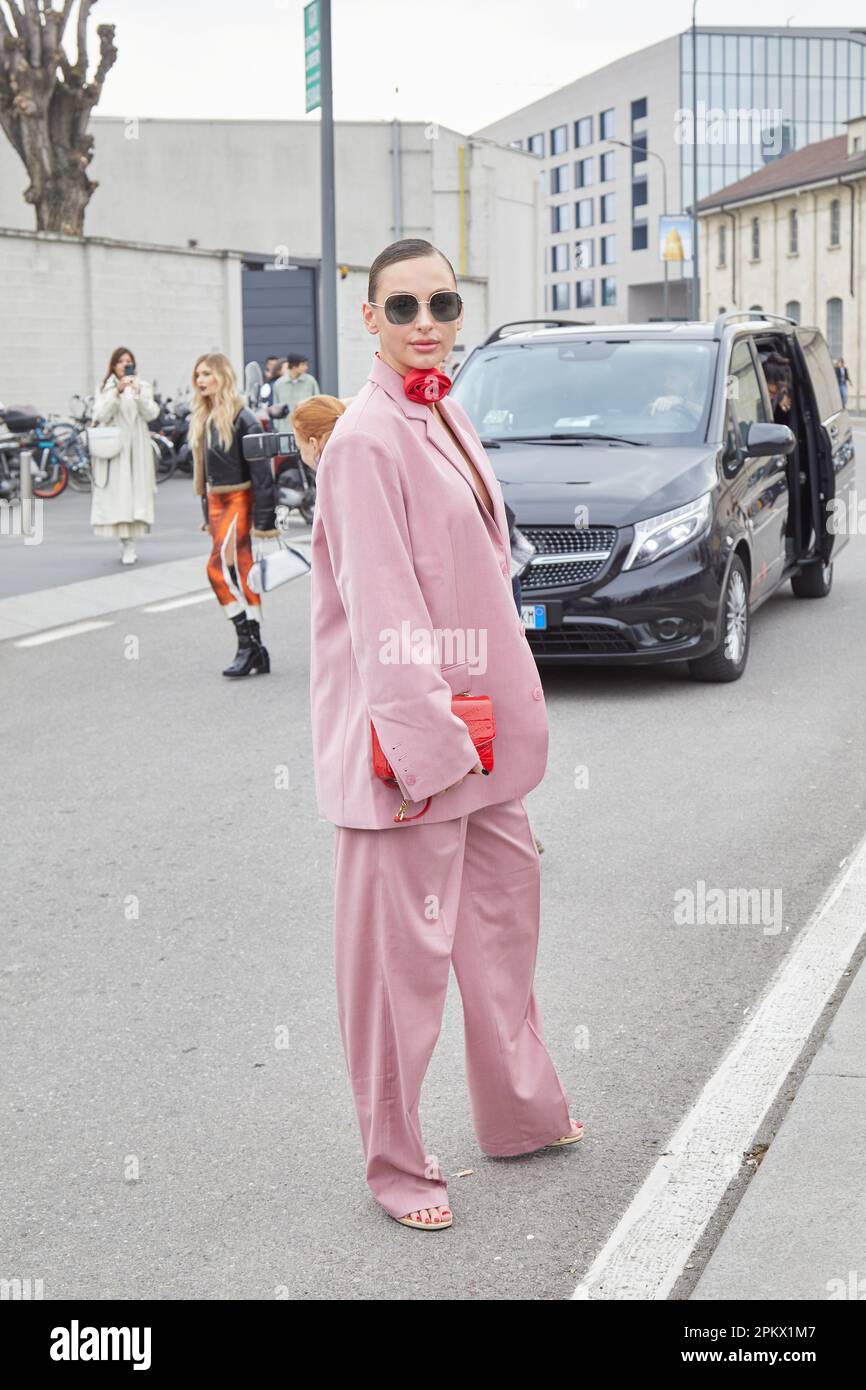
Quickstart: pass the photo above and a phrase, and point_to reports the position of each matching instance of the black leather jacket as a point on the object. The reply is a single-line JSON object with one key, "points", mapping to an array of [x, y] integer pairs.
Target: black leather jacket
{"points": [[227, 468]]}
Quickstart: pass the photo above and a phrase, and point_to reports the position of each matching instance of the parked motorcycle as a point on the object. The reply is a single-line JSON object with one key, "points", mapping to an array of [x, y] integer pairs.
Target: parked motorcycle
{"points": [[170, 430]]}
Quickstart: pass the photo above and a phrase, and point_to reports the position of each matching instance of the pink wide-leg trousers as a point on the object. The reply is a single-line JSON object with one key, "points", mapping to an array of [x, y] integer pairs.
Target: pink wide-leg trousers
{"points": [[408, 903]]}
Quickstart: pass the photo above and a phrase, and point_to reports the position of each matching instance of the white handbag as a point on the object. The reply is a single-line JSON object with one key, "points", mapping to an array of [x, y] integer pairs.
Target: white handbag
{"points": [[104, 441], [522, 553], [278, 568]]}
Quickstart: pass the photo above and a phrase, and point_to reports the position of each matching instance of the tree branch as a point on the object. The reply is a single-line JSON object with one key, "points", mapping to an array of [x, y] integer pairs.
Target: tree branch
{"points": [[17, 19], [107, 55], [81, 58], [67, 11], [33, 30]]}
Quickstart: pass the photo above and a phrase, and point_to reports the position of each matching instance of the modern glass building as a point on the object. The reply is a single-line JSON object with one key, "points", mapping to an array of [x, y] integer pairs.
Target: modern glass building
{"points": [[809, 81], [614, 152]]}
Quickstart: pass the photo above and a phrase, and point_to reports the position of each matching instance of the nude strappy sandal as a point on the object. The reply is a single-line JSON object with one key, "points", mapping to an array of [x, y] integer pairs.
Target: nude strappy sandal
{"points": [[439, 1225], [567, 1138]]}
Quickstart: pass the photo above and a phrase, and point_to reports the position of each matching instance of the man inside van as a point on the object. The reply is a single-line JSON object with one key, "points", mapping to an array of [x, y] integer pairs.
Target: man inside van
{"points": [[678, 394]]}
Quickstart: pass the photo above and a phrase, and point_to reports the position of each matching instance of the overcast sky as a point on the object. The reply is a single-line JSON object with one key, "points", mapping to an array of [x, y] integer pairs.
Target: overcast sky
{"points": [[462, 63]]}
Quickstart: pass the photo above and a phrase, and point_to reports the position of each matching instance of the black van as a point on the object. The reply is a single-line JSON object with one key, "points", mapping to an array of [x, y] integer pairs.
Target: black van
{"points": [[670, 476]]}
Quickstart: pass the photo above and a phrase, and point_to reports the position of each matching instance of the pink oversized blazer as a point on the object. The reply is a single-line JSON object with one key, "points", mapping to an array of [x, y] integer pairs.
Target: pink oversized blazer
{"points": [[411, 602]]}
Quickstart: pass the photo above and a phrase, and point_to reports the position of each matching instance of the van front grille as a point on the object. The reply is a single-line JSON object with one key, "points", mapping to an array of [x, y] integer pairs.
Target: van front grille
{"points": [[567, 555]]}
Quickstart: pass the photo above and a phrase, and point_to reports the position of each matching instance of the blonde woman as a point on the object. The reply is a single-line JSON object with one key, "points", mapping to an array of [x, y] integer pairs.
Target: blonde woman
{"points": [[123, 487], [238, 501]]}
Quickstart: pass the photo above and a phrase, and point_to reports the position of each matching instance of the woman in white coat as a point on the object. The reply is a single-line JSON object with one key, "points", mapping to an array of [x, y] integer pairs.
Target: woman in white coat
{"points": [[123, 486]]}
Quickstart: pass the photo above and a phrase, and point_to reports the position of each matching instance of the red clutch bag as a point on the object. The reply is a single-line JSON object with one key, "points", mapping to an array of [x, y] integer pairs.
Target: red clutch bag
{"points": [[476, 711]]}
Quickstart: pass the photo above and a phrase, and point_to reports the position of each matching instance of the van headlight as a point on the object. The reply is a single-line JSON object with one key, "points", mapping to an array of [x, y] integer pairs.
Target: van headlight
{"points": [[659, 535]]}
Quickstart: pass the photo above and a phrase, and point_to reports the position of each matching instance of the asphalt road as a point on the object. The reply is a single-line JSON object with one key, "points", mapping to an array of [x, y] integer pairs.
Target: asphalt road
{"points": [[178, 1120]]}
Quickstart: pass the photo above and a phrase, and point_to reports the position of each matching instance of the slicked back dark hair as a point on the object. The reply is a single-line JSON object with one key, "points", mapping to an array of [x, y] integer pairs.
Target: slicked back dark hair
{"points": [[409, 249]]}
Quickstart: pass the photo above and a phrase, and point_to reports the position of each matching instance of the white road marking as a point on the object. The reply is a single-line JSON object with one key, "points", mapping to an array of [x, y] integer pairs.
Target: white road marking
{"points": [[54, 634], [651, 1244], [178, 602]]}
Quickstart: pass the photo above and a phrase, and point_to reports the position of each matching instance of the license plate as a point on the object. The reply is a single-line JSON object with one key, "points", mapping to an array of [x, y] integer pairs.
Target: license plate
{"points": [[534, 615]]}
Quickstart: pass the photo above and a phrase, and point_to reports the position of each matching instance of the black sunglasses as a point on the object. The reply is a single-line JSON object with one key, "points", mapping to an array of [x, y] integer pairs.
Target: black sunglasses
{"points": [[445, 307]]}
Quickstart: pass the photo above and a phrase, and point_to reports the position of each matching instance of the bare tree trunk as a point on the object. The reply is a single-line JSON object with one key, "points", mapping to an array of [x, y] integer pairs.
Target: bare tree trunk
{"points": [[45, 106]]}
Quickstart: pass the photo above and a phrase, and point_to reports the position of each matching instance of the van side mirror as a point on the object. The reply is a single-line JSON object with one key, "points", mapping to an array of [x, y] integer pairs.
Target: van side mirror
{"points": [[764, 440]]}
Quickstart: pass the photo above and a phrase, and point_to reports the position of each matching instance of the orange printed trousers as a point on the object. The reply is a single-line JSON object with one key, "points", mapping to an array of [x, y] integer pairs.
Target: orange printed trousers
{"points": [[229, 515]]}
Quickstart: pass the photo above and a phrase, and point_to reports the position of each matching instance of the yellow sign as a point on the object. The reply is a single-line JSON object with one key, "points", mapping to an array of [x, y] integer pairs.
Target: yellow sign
{"points": [[673, 247]]}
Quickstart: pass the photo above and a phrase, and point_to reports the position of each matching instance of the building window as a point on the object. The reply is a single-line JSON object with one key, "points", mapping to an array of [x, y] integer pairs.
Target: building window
{"points": [[608, 250], [606, 124], [535, 145], [639, 236], [560, 295], [583, 172], [608, 207], [638, 154], [583, 131], [834, 327], [583, 213], [608, 290], [559, 140], [835, 222], [559, 256], [639, 193], [607, 167], [584, 294], [559, 218], [792, 310], [583, 254], [793, 232], [559, 179], [638, 110], [723, 244], [756, 238]]}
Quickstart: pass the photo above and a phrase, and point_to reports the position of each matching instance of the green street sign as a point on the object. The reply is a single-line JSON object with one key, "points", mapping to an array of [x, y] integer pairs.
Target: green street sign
{"points": [[312, 69]]}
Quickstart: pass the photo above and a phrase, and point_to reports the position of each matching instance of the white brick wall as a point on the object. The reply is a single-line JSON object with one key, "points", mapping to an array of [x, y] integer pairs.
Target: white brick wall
{"points": [[67, 303]]}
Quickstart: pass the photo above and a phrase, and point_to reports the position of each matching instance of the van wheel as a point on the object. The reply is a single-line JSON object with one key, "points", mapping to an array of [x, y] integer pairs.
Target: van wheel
{"points": [[815, 581], [728, 661]]}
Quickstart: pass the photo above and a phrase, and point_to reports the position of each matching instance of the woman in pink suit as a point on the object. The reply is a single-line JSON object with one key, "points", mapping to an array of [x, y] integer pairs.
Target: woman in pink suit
{"points": [[412, 604]]}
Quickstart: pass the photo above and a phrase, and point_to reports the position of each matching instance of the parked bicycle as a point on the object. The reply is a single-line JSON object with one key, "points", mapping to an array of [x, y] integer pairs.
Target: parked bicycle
{"points": [[27, 433], [71, 436]]}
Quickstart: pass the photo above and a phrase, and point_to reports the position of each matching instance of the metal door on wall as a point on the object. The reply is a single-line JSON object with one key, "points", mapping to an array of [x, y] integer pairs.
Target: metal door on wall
{"points": [[279, 312]]}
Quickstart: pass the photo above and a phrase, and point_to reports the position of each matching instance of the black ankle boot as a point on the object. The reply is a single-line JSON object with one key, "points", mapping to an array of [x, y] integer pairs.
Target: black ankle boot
{"points": [[247, 655], [264, 660]]}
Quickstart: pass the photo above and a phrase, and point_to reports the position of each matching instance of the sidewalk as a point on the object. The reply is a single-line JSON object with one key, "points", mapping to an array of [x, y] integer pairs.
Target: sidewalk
{"points": [[25, 614], [800, 1230]]}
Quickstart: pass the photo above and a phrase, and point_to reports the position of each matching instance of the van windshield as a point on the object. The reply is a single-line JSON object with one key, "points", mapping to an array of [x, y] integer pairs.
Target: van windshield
{"points": [[644, 390]]}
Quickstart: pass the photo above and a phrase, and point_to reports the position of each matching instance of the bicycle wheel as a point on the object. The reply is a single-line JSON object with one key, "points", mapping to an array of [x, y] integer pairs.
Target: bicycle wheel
{"points": [[55, 480], [74, 456]]}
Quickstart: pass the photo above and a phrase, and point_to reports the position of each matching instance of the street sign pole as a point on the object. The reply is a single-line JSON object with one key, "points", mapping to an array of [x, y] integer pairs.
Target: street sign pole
{"points": [[317, 45]]}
